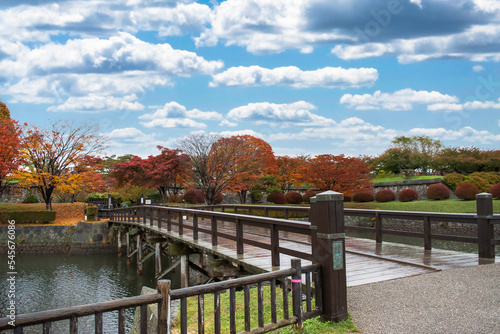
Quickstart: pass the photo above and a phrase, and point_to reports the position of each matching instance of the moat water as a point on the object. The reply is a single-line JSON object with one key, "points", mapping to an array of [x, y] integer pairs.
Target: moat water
{"points": [[45, 282]]}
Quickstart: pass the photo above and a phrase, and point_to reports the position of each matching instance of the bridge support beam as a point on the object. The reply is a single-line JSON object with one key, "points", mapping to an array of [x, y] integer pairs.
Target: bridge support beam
{"points": [[157, 259], [139, 254], [328, 249], [129, 248], [184, 271]]}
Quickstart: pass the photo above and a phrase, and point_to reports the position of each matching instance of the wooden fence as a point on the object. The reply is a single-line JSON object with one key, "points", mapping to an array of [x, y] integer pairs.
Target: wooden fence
{"points": [[290, 279]]}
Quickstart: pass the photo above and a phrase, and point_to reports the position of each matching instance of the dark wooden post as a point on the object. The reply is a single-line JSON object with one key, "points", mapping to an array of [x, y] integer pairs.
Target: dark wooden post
{"points": [[181, 223], [378, 228], [297, 291], [164, 307], [214, 231], [157, 259], [195, 226], [328, 249], [239, 237], [275, 245], [485, 230], [139, 254]]}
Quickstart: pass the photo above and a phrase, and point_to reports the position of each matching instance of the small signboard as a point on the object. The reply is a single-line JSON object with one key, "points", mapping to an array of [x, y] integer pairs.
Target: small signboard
{"points": [[148, 201], [338, 255]]}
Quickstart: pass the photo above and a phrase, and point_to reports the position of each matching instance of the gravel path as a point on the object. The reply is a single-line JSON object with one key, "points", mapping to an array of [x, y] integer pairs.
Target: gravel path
{"points": [[463, 300]]}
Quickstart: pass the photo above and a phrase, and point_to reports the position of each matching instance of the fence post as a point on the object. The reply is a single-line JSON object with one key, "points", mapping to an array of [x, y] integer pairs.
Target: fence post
{"points": [[485, 230], [164, 307], [328, 249], [297, 291]]}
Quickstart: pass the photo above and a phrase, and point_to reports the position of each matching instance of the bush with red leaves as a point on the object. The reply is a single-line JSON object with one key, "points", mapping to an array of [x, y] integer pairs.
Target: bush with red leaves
{"points": [[363, 196], [276, 198], [438, 191], [194, 196], [385, 195], [293, 197], [408, 195], [467, 191], [495, 190], [310, 193]]}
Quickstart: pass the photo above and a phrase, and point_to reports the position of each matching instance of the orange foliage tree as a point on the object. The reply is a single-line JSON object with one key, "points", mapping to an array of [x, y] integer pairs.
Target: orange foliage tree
{"points": [[85, 177], [167, 172], [226, 163], [51, 156], [9, 146], [291, 172], [253, 158], [338, 173]]}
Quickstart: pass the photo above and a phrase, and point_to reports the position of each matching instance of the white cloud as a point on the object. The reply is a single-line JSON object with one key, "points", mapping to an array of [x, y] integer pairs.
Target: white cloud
{"points": [[477, 68], [466, 134], [264, 26], [227, 123], [173, 115], [471, 105], [332, 77], [95, 103], [475, 43], [131, 140], [292, 114], [399, 100]]}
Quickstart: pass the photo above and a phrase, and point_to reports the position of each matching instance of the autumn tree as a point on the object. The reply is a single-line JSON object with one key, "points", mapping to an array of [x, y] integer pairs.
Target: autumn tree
{"points": [[291, 172], [85, 177], [50, 155], [253, 159], [167, 171], [9, 146], [338, 173]]}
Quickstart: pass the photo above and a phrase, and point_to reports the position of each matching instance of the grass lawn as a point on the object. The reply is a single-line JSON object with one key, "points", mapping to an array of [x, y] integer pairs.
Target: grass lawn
{"points": [[310, 326], [402, 178], [450, 206], [67, 214]]}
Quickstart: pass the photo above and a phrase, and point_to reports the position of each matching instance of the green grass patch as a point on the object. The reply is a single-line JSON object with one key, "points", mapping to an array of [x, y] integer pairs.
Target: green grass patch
{"points": [[311, 326], [402, 178], [448, 206]]}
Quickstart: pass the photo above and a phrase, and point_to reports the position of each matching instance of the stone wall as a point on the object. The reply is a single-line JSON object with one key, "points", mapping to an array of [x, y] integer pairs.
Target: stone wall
{"points": [[420, 186], [84, 238]]}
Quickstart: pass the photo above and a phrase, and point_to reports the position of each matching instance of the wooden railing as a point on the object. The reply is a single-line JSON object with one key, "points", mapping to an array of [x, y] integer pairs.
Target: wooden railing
{"points": [[46, 318], [169, 217], [302, 292], [485, 237]]}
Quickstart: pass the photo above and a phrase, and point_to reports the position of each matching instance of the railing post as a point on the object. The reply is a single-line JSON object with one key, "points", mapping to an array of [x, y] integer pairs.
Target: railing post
{"points": [[297, 291], [164, 307], [239, 237], [378, 228], [485, 230], [275, 244], [214, 231], [328, 249]]}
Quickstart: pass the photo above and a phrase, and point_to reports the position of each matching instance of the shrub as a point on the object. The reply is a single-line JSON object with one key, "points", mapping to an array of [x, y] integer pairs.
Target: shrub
{"points": [[385, 195], [363, 196], [218, 198], [453, 180], [495, 190], [438, 191], [276, 198], [307, 196], [28, 216], [467, 191], [31, 199], [256, 195], [293, 197], [175, 199], [194, 196], [91, 212], [408, 195]]}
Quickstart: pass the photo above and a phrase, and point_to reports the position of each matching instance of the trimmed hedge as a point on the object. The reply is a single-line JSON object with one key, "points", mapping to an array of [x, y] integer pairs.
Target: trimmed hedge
{"points": [[363, 196], [467, 191], [31, 199], [293, 197], [28, 216], [218, 198], [276, 198], [495, 190], [408, 195], [438, 191], [310, 193], [453, 180], [194, 196], [91, 212], [385, 195]]}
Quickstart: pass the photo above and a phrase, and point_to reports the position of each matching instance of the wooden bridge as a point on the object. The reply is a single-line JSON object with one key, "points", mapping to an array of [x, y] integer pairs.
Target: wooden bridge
{"points": [[270, 246]]}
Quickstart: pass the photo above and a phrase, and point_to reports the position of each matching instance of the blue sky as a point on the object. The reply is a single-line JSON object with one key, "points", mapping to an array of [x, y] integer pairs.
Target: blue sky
{"points": [[308, 76]]}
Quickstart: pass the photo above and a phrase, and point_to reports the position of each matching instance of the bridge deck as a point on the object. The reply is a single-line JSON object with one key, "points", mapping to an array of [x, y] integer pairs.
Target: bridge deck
{"points": [[366, 261]]}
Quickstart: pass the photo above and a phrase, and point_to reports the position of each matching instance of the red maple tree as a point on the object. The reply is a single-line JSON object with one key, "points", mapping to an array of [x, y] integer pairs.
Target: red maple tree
{"points": [[9, 146]]}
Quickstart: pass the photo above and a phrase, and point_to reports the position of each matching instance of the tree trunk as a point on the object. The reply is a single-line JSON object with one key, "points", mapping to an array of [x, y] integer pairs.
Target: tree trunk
{"points": [[243, 196]]}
